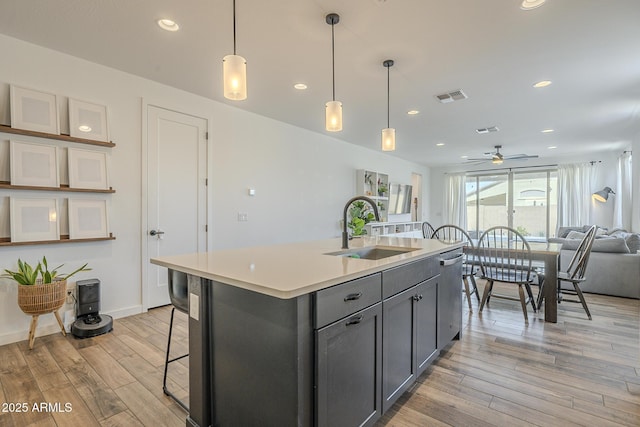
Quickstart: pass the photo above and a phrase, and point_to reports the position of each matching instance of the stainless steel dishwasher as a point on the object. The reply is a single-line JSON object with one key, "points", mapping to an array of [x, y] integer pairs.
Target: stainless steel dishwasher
{"points": [[450, 297]]}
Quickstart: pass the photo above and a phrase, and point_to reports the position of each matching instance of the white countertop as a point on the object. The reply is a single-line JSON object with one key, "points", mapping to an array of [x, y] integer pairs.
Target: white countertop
{"points": [[294, 269]]}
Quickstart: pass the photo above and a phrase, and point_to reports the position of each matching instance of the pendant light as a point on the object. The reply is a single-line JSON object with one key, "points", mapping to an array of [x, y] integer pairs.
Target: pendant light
{"points": [[333, 111], [388, 134], [234, 70]]}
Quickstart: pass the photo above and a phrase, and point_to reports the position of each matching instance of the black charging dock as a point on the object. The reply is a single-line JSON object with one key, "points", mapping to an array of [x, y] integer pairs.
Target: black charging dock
{"points": [[89, 323]]}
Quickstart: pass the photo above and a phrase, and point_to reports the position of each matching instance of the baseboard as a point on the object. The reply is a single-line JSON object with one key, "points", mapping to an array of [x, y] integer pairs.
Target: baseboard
{"points": [[50, 326]]}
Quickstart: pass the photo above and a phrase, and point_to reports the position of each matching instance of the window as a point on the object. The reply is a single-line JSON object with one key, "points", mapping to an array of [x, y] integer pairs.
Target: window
{"points": [[526, 201]]}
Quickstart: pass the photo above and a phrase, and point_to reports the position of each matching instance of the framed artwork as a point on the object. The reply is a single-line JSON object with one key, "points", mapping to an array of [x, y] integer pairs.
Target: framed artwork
{"points": [[34, 110], [87, 169], [5, 159], [88, 120], [33, 165], [88, 219], [34, 219]]}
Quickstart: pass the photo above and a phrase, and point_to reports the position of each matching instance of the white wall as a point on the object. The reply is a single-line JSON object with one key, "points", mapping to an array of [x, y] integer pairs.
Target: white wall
{"points": [[302, 179], [601, 213]]}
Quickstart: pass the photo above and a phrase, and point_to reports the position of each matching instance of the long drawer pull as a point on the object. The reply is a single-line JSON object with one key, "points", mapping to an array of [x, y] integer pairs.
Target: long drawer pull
{"points": [[354, 320], [352, 297], [451, 261]]}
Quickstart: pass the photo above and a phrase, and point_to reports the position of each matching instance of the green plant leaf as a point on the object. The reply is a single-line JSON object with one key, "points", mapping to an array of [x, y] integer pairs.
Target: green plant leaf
{"points": [[83, 268]]}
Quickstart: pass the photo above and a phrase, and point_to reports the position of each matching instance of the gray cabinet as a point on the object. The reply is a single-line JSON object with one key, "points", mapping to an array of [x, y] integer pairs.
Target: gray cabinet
{"points": [[426, 321], [375, 335], [408, 337], [349, 370], [449, 297]]}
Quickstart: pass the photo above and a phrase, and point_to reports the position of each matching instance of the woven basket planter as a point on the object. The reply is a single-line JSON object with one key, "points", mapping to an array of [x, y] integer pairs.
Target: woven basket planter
{"points": [[42, 298]]}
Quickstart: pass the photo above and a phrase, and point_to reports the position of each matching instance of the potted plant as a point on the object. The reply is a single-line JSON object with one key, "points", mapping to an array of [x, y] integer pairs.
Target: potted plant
{"points": [[360, 214], [382, 188], [40, 291]]}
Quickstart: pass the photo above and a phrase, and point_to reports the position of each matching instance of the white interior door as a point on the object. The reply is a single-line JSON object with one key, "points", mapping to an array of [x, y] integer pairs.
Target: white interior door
{"points": [[176, 193]]}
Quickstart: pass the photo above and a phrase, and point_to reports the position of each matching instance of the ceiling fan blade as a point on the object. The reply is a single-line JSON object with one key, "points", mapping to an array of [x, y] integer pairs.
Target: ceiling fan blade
{"points": [[520, 157], [474, 161]]}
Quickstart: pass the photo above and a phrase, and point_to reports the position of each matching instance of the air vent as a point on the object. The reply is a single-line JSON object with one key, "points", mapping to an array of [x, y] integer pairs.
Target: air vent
{"points": [[487, 130], [456, 95]]}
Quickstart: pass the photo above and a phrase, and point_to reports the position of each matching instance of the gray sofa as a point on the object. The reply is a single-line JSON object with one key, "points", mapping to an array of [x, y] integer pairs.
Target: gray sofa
{"points": [[614, 264]]}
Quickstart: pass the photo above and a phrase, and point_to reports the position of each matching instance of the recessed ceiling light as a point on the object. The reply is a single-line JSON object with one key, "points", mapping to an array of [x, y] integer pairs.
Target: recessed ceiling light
{"points": [[440, 144], [84, 128], [552, 147], [464, 157], [547, 130], [542, 83], [531, 4], [168, 24], [300, 86], [413, 112]]}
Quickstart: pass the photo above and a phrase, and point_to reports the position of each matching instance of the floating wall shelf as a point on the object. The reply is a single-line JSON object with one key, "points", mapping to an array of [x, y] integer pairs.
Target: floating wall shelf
{"points": [[9, 129], [7, 186], [5, 241]]}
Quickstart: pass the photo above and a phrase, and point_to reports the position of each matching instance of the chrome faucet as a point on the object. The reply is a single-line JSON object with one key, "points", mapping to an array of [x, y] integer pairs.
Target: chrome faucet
{"points": [[345, 235]]}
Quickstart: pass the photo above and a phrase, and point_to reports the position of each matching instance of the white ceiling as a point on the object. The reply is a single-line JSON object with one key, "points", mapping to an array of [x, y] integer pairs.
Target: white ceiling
{"points": [[491, 49]]}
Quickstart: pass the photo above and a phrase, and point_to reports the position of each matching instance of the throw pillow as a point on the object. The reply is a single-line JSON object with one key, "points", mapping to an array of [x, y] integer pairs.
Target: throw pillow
{"points": [[633, 242], [611, 245], [563, 231], [575, 235]]}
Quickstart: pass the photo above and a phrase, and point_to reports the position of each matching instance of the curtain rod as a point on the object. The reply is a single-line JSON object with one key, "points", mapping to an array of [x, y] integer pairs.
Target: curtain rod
{"points": [[504, 169]]}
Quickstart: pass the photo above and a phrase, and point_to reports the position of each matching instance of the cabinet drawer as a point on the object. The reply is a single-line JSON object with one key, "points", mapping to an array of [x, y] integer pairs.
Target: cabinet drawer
{"points": [[342, 300], [398, 279]]}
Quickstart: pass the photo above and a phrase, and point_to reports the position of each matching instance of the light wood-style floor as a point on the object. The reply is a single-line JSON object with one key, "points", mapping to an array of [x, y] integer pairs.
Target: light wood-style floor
{"points": [[502, 373]]}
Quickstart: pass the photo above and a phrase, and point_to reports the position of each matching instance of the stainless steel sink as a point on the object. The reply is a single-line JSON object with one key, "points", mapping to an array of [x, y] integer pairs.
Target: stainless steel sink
{"points": [[373, 252]]}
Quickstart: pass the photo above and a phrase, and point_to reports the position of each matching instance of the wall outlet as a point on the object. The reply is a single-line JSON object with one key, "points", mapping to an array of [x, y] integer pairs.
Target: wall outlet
{"points": [[71, 293], [243, 216]]}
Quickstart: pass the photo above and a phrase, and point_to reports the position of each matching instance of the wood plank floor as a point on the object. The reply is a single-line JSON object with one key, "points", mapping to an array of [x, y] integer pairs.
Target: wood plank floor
{"points": [[502, 373]]}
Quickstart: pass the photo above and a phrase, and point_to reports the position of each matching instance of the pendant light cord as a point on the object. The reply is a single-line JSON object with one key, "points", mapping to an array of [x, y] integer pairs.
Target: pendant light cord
{"points": [[388, 96], [333, 61], [234, 27]]}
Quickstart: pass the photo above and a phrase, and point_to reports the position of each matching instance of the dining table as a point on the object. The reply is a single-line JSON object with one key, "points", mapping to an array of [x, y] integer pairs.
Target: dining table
{"points": [[549, 255]]}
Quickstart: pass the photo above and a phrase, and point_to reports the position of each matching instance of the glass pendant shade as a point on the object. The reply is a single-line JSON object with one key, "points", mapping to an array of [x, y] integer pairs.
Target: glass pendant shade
{"points": [[234, 69], [388, 139], [333, 119]]}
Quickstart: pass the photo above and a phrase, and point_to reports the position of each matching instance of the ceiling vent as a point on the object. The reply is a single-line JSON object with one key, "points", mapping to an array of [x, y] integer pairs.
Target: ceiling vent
{"points": [[456, 95], [487, 130]]}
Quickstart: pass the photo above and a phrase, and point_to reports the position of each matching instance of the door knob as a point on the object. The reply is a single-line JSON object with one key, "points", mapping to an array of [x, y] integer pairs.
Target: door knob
{"points": [[155, 232]]}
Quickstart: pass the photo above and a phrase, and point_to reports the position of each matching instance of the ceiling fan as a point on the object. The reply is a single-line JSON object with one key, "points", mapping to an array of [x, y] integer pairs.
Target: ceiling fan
{"points": [[497, 157]]}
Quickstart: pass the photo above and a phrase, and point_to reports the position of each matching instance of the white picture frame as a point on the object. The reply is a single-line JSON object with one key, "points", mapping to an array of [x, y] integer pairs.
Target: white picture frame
{"points": [[88, 169], [34, 165], [88, 120], [34, 110], [88, 219], [34, 219]]}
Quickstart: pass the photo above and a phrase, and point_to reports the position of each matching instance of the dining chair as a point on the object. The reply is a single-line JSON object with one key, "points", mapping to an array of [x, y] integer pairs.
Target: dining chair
{"points": [[469, 269], [575, 272], [178, 294], [427, 230], [505, 256]]}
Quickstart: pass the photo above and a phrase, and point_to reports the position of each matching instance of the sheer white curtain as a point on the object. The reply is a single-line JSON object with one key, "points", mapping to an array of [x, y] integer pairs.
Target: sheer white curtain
{"points": [[622, 207], [455, 200], [574, 194]]}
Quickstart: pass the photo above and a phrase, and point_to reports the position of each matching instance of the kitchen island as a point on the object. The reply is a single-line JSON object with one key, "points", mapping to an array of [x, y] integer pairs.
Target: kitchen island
{"points": [[306, 334]]}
